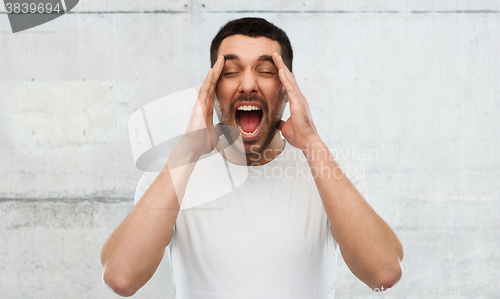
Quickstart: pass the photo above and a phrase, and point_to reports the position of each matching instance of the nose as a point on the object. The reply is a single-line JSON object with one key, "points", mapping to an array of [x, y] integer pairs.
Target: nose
{"points": [[248, 83]]}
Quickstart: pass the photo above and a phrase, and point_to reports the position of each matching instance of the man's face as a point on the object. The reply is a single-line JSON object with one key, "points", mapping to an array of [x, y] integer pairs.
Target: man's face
{"points": [[249, 92]]}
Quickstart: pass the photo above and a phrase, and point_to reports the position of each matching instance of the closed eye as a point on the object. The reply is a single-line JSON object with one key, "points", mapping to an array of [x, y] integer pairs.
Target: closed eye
{"points": [[230, 73], [267, 74]]}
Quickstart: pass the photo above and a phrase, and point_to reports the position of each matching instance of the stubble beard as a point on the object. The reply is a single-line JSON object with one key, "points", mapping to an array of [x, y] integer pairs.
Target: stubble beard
{"points": [[270, 123]]}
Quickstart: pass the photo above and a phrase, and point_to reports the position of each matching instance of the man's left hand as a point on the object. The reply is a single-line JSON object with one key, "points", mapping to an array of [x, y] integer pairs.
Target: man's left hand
{"points": [[299, 129]]}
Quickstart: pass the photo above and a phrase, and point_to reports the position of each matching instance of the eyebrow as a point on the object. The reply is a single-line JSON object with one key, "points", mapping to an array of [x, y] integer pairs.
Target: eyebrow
{"points": [[261, 58]]}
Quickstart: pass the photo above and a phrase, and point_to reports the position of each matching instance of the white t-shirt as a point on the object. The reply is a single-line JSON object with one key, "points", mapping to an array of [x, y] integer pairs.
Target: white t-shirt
{"points": [[253, 232]]}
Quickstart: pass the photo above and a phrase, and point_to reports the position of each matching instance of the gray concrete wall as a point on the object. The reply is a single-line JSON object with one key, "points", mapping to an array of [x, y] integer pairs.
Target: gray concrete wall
{"points": [[414, 83]]}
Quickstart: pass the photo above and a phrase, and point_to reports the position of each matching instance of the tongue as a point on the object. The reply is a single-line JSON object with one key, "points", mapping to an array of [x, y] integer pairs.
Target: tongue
{"points": [[249, 120]]}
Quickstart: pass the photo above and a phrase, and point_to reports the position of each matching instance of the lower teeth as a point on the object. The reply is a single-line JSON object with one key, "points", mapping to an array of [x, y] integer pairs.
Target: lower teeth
{"points": [[248, 134]]}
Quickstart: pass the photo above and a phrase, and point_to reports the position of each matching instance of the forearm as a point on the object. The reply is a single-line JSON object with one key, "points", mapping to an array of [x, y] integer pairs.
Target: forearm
{"points": [[369, 246], [134, 250]]}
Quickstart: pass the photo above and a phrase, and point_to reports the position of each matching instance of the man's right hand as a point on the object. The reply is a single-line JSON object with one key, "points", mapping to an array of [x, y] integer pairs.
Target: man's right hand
{"points": [[201, 136], [132, 253]]}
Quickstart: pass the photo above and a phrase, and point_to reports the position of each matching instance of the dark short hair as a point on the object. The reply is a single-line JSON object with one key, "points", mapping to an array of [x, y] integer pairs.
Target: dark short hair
{"points": [[253, 27]]}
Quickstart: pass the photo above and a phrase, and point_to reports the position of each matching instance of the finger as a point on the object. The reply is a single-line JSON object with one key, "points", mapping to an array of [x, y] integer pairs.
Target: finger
{"points": [[202, 95], [210, 115], [287, 75], [287, 78], [289, 86], [278, 61], [293, 87], [218, 66], [218, 69], [298, 103]]}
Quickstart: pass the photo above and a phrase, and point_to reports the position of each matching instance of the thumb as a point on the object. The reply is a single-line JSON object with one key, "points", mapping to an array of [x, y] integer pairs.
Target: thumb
{"points": [[280, 125], [215, 133], [218, 129]]}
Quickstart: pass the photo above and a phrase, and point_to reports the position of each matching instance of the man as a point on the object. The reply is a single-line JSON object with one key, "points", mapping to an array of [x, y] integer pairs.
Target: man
{"points": [[275, 236]]}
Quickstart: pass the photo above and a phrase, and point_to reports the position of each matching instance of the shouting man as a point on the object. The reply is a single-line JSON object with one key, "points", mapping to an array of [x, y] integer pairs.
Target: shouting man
{"points": [[277, 234]]}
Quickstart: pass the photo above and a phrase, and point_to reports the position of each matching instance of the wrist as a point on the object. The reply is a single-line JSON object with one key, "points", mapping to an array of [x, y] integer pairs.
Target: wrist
{"points": [[316, 151], [318, 154], [181, 156]]}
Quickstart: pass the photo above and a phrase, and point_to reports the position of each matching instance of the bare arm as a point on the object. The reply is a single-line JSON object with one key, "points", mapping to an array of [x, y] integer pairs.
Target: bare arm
{"points": [[370, 248], [133, 251]]}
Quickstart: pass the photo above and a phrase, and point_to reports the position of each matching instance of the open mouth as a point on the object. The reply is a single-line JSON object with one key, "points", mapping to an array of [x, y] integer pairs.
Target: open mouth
{"points": [[248, 118]]}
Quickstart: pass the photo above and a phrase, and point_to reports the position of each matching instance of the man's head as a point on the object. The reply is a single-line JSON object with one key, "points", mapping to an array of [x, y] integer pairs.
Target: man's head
{"points": [[249, 92], [253, 27]]}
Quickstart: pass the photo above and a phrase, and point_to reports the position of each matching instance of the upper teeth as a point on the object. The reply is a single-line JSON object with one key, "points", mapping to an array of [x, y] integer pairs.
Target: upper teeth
{"points": [[247, 108]]}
